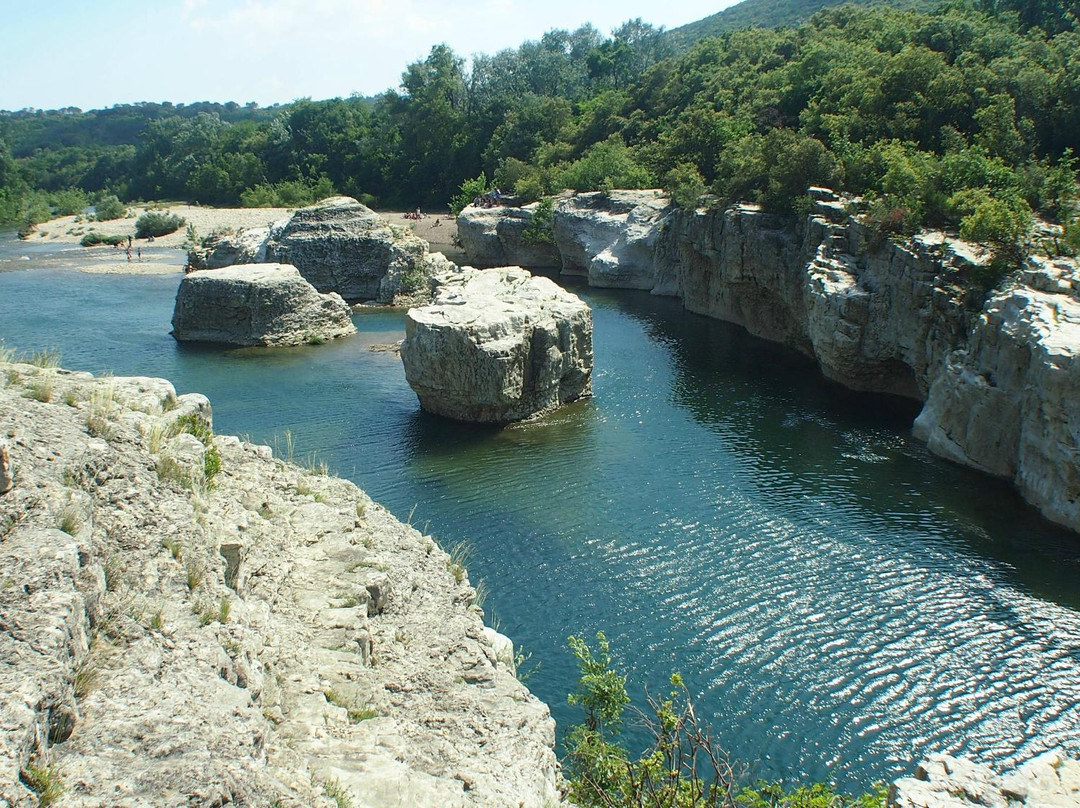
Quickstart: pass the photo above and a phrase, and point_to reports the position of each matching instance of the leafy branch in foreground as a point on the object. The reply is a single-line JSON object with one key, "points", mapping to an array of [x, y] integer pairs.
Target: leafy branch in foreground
{"points": [[683, 766]]}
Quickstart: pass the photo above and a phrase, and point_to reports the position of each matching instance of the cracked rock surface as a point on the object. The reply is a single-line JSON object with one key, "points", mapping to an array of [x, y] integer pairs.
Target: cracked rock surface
{"points": [[173, 634]]}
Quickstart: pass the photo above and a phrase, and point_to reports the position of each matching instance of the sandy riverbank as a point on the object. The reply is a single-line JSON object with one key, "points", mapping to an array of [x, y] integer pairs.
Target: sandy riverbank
{"points": [[205, 221], [168, 254]]}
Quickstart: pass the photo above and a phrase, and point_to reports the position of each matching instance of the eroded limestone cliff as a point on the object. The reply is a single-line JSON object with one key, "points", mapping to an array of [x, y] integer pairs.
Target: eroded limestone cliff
{"points": [[186, 620], [1000, 375]]}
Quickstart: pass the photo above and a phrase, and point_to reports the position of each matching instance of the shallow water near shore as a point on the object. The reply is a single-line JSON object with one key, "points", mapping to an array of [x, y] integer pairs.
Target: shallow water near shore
{"points": [[839, 601]]}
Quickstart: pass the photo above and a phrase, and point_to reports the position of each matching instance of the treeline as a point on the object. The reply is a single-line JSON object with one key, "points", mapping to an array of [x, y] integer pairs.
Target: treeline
{"points": [[965, 117]]}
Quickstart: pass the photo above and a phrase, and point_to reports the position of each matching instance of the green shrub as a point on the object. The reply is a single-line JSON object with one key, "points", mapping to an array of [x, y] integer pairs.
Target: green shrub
{"points": [[681, 768], [68, 202], [604, 167], [538, 230], [157, 224], [1002, 223], [470, 189], [109, 207], [287, 193], [685, 185], [93, 239]]}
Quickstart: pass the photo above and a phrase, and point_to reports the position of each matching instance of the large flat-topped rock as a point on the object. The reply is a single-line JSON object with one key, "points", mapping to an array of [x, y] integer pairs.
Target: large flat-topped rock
{"points": [[497, 346], [611, 238], [257, 304], [342, 246], [339, 245]]}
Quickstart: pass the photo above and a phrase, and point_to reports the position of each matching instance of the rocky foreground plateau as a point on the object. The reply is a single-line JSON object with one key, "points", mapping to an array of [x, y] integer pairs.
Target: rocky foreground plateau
{"points": [[186, 620]]}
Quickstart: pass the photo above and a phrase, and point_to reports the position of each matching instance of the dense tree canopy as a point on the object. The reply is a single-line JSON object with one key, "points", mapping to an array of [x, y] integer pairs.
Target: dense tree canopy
{"points": [[932, 116]]}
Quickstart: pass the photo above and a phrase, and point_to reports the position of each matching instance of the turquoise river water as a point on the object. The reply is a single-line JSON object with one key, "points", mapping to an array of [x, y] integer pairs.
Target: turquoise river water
{"points": [[839, 601]]}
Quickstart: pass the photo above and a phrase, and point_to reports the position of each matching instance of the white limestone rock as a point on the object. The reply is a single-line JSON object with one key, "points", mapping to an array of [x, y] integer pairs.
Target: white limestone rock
{"points": [[253, 642], [339, 245], [1008, 402], [499, 345], [611, 238], [6, 469], [228, 249], [1048, 781], [495, 237], [257, 304]]}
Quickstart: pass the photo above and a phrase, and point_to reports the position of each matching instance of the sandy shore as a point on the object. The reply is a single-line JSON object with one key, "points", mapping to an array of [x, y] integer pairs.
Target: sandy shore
{"points": [[167, 254], [438, 230], [205, 220]]}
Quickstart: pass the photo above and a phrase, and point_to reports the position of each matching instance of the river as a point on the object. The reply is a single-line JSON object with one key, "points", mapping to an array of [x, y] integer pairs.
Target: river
{"points": [[839, 601]]}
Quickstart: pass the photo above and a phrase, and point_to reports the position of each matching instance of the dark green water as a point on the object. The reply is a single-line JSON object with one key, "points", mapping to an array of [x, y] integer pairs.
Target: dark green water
{"points": [[839, 601]]}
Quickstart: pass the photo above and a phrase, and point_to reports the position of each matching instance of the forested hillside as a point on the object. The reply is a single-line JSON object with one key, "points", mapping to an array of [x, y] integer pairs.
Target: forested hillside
{"points": [[965, 117], [770, 14]]}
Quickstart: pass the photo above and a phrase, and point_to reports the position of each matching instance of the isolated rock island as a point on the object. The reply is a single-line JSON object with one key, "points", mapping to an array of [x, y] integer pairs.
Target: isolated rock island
{"points": [[498, 345], [257, 304], [338, 245]]}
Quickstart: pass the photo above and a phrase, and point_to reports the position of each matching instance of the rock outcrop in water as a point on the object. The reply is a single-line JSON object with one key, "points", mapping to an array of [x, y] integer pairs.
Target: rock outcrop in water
{"points": [[1000, 378], [611, 238], [188, 621], [1007, 401], [495, 237], [339, 245], [499, 345], [222, 250], [257, 304], [1049, 781]]}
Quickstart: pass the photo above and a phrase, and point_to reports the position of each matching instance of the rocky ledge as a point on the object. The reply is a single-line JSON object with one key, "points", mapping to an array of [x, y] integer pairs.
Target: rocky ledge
{"points": [[338, 245], [498, 345], [186, 620], [257, 304]]}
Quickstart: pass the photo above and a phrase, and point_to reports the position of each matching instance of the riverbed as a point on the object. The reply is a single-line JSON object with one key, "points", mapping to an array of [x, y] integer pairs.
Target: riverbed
{"points": [[839, 601]]}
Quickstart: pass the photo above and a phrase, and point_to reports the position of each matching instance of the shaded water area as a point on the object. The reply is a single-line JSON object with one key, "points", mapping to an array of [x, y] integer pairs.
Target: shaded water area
{"points": [[838, 600]]}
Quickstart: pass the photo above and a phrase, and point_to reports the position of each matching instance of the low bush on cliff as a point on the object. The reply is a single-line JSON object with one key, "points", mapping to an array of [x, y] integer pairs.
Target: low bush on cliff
{"points": [[157, 224], [683, 766], [538, 230]]}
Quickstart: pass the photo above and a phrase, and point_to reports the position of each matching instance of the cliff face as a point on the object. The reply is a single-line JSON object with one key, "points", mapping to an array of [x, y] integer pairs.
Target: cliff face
{"points": [[1000, 378], [186, 620]]}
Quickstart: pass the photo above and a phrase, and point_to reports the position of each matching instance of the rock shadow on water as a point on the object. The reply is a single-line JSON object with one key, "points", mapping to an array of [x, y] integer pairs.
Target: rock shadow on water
{"points": [[432, 438]]}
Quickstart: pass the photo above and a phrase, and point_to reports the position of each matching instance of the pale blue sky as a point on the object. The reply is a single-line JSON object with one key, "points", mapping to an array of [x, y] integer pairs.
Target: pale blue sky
{"points": [[95, 54]]}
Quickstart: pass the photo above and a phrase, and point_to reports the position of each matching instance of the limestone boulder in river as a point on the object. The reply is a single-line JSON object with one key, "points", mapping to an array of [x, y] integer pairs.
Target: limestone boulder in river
{"points": [[340, 245], [257, 304], [496, 237], [499, 345]]}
